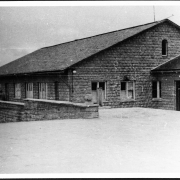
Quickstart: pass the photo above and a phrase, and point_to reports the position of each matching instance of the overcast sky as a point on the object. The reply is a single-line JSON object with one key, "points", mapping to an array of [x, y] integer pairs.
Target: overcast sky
{"points": [[25, 29]]}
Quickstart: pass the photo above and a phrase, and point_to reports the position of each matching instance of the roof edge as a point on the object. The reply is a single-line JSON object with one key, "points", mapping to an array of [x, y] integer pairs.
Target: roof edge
{"points": [[157, 22], [153, 25], [35, 73], [104, 33], [154, 69]]}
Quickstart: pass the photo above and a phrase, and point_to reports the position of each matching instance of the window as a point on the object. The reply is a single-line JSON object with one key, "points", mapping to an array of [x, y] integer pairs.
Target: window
{"points": [[17, 88], [127, 90], [156, 89], [94, 87], [29, 90], [42, 90], [164, 47]]}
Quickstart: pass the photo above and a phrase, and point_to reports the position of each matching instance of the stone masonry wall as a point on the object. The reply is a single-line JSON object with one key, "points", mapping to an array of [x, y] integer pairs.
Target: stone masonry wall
{"points": [[35, 109], [47, 109], [134, 57], [168, 92], [11, 111]]}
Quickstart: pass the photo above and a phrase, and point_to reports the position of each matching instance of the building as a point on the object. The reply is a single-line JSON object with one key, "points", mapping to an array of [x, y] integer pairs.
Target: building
{"points": [[133, 67]]}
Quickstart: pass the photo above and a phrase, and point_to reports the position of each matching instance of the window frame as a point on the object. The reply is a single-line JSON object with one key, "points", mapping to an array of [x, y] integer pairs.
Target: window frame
{"points": [[97, 86], [126, 91], [164, 43], [16, 96], [29, 89], [158, 90], [40, 93]]}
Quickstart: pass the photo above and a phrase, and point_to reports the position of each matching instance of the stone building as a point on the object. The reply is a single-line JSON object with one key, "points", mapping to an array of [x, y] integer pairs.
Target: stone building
{"points": [[133, 67]]}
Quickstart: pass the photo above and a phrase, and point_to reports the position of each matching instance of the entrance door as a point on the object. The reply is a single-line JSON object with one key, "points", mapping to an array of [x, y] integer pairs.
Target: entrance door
{"points": [[29, 90], [98, 92], [178, 95], [42, 90]]}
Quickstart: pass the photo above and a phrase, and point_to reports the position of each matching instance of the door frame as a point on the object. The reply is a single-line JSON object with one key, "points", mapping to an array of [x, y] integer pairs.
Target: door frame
{"points": [[29, 93], [42, 94], [96, 91], [177, 105]]}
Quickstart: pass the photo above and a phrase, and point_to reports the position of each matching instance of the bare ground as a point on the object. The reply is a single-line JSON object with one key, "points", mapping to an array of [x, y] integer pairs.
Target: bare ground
{"points": [[128, 140]]}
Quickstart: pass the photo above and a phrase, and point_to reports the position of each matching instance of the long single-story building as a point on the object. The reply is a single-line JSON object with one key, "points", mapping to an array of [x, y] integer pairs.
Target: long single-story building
{"points": [[133, 67]]}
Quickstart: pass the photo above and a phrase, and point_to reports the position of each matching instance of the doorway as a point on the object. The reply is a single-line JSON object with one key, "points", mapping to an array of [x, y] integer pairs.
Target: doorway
{"points": [[98, 92], [178, 95], [29, 90]]}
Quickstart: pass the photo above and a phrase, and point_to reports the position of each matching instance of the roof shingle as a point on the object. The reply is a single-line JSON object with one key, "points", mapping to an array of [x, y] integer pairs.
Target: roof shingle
{"points": [[171, 65], [62, 56]]}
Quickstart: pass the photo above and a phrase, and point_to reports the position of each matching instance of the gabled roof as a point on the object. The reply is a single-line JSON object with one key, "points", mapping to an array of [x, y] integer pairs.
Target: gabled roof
{"points": [[171, 65], [62, 56]]}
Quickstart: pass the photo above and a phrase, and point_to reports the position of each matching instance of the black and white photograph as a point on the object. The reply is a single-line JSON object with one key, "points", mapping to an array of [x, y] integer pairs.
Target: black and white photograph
{"points": [[89, 88]]}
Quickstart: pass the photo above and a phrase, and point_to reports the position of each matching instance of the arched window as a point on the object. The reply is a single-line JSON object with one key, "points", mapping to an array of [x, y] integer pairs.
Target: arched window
{"points": [[164, 47]]}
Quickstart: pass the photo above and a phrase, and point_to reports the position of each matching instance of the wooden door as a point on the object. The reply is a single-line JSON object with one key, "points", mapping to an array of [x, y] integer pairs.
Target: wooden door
{"points": [[98, 92], [42, 91], [178, 95], [100, 96], [29, 90]]}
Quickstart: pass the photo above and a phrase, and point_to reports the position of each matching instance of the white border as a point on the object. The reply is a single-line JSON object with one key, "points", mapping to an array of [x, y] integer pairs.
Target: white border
{"points": [[89, 3], [94, 175]]}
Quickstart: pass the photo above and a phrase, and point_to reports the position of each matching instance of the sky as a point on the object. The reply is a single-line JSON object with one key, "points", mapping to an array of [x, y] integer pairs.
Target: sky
{"points": [[24, 29]]}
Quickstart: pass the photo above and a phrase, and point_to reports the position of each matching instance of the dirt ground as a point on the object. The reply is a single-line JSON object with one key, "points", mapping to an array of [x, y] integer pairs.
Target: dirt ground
{"points": [[126, 140]]}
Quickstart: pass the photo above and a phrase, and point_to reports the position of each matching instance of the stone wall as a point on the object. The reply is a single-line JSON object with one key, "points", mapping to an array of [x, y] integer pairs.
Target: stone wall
{"points": [[35, 109], [134, 58], [11, 111], [168, 92]]}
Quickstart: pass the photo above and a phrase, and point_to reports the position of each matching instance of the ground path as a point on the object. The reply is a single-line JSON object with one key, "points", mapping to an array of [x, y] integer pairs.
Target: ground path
{"points": [[128, 140]]}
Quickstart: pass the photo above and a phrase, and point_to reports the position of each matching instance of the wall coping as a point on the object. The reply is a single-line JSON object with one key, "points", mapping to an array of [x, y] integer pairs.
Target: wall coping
{"points": [[11, 102], [61, 102]]}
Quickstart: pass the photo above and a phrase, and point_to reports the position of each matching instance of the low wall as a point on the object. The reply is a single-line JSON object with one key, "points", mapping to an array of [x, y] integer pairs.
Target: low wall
{"points": [[11, 111], [36, 109]]}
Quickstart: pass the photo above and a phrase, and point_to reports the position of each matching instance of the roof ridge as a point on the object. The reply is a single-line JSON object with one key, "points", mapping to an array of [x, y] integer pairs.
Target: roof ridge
{"points": [[58, 57], [102, 34]]}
